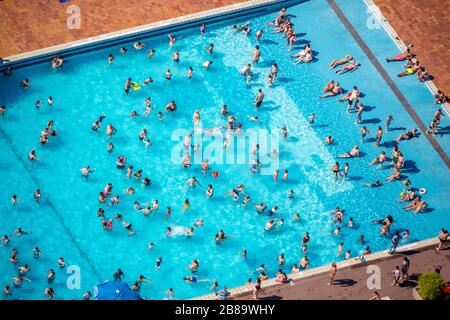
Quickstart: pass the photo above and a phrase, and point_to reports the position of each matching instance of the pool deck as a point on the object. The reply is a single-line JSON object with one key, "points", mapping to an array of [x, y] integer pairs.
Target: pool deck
{"points": [[46, 19], [351, 283], [425, 25]]}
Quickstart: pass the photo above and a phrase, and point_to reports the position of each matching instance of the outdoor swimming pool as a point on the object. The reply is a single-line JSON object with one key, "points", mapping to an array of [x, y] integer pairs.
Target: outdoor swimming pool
{"points": [[65, 224]]}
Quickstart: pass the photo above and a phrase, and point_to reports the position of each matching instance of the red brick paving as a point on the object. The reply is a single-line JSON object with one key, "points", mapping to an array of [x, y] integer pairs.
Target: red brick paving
{"points": [[29, 25], [424, 23], [350, 284]]}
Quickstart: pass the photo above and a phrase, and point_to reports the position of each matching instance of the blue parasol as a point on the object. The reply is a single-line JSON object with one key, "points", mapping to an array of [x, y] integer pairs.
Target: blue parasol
{"points": [[114, 290]]}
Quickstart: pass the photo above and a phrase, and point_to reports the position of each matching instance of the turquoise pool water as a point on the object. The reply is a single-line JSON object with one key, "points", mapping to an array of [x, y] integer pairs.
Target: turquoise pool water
{"points": [[65, 222]]}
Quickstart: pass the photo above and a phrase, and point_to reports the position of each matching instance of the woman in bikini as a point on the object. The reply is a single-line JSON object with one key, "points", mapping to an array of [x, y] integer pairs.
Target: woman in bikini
{"points": [[338, 62], [348, 68], [402, 56], [406, 136]]}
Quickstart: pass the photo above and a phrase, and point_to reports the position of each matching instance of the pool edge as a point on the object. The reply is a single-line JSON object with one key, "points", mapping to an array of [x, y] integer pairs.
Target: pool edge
{"points": [[146, 30], [321, 270]]}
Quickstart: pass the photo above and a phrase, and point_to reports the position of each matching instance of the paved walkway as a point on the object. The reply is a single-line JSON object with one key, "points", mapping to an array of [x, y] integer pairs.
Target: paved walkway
{"points": [[32, 25], [424, 24], [350, 284]]}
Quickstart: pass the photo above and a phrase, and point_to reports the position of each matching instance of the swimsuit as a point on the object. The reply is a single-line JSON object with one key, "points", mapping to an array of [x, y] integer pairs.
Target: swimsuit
{"points": [[409, 71]]}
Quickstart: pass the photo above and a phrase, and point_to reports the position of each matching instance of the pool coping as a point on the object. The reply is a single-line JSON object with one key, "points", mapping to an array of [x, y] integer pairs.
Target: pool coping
{"points": [[346, 264], [146, 30], [400, 44]]}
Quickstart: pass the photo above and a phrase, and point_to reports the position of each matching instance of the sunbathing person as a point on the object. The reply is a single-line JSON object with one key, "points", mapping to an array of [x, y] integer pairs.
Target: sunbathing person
{"points": [[338, 62], [373, 185], [380, 160], [409, 71], [351, 154], [420, 207], [307, 58], [407, 196], [305, 54], [402, 56], [412, 205], [406, 136], [348, 68], [394, 176], [334, 91], [329, 86]]}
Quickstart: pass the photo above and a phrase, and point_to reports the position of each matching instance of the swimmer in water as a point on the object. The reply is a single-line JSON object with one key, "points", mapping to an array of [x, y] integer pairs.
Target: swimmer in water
{"points": [[210, 48], [147, 81], [284, 132], [246, 200], [110, 147], [86, 171], [168, 74], [329, 140], [373, 185], [151, 53], [15, 200], [259, 34], [199, 223], [269, 225], [176, 57], [260, 208], [196, 117], [158, 263], [290, 194], [185, 205], [209, 191], [25, 83], [259, 98], [207, 63], [32, 155], [191, 183], [234, 193], [139, 45]]}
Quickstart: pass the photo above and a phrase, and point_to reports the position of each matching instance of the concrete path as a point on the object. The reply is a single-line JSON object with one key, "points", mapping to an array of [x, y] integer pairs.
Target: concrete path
{"points": [[351, 283]]}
